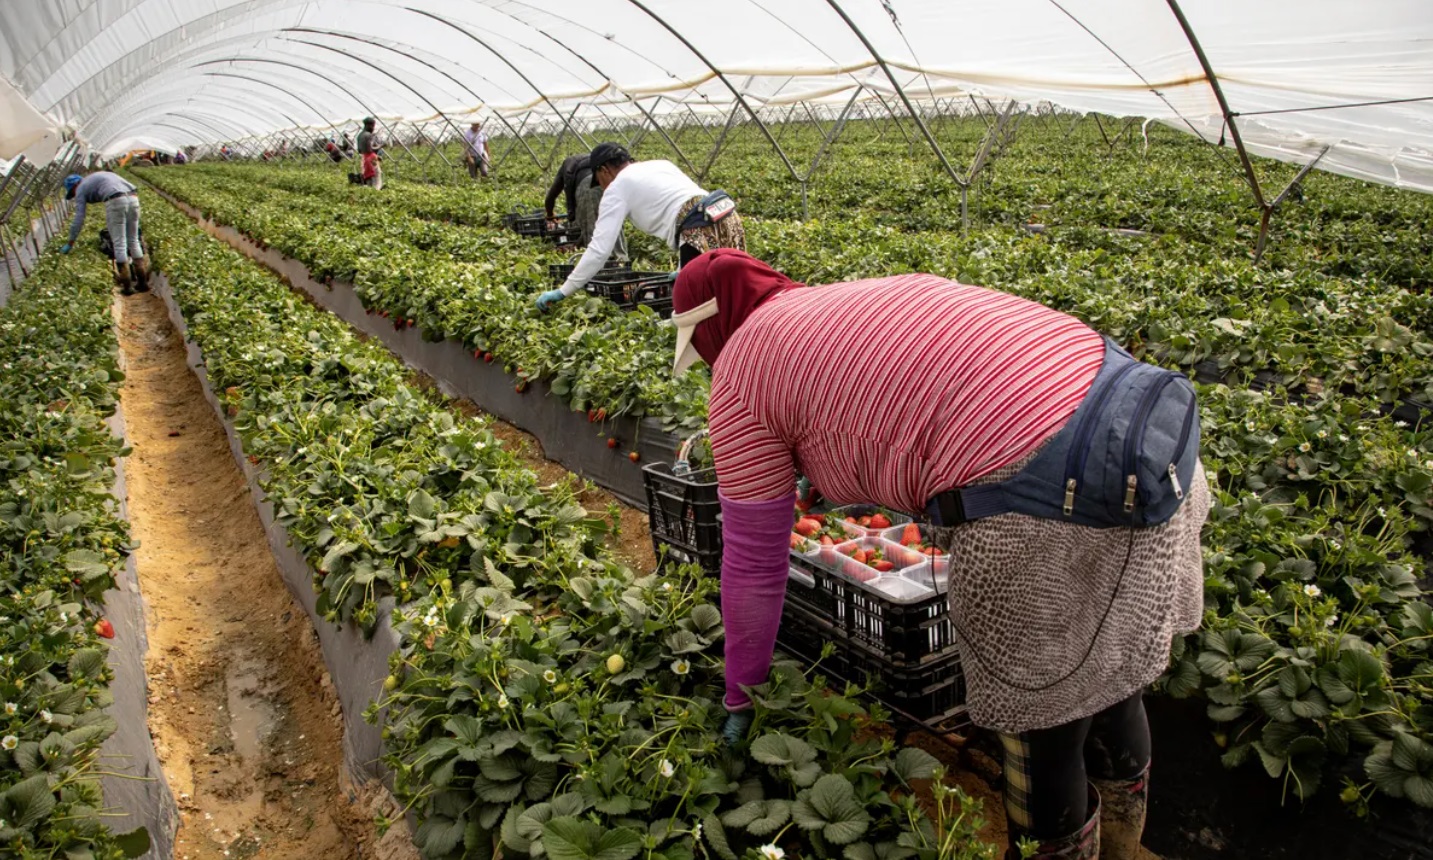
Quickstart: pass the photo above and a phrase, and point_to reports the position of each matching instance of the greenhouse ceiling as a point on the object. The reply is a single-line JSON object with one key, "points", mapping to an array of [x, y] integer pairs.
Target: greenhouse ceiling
{"points": [[1350, 82]]}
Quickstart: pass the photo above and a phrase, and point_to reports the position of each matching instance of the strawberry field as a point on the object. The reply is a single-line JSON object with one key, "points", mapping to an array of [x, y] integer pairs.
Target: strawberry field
{"points": [[546, 700], [544, 685]]}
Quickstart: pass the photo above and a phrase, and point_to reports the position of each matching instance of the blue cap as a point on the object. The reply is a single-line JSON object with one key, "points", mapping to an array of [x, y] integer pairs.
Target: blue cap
{"points": [[71, 183]]}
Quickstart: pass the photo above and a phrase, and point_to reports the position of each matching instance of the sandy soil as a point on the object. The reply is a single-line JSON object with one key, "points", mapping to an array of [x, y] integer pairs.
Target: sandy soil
{"points": [[243, 713]]}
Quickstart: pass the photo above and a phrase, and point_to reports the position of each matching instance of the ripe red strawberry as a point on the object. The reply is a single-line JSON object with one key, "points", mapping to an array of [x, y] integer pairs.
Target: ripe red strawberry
{"points": [[634, 456], [612, 442], [520, 387], [488, 357], [883, 565], [104, 629], [477, 353], [911, 535], [826, 541], [797, 541], [591, 416], [807, 528], [880, 521], [601, 414]]}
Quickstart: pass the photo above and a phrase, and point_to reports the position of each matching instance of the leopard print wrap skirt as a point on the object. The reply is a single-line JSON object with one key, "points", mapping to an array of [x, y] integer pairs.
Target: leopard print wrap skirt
{"points": [[1056, 621], [726, 233]]}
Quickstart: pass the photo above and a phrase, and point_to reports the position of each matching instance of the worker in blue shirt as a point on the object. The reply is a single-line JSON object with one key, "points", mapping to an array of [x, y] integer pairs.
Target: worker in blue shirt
{"points": [[121, 213]]}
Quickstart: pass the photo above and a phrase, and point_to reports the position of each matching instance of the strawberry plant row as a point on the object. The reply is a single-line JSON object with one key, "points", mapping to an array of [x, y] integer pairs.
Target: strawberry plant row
{"points": [[1320, 505], [544, 699], [63, 545], [602, 449]]}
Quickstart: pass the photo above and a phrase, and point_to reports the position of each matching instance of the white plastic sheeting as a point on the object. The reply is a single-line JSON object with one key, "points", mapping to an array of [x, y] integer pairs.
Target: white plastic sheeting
{"points": [[172, 72]]}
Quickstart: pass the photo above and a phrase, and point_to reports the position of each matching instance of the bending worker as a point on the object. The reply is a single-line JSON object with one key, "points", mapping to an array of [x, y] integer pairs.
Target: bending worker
{"points": [[1060, 475], [584, 197], [662, 202], [121, 215]]}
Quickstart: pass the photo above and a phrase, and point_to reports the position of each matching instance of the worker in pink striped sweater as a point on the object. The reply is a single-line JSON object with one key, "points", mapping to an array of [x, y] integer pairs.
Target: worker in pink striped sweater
{"points": [[938, 399]]}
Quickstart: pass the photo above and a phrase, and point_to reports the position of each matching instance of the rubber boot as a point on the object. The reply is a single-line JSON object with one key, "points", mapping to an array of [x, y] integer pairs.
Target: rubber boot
{"points": [[121, 277], [1083, 844], [1123, 803], [141, 274]]}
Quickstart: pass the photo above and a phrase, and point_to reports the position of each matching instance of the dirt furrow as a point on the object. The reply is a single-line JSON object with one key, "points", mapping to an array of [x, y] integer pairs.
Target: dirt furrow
{"points": [[243, 717]]}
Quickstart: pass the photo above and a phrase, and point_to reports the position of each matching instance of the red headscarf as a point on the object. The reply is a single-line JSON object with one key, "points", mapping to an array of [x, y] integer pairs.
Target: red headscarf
{"points": [[737, 282]]}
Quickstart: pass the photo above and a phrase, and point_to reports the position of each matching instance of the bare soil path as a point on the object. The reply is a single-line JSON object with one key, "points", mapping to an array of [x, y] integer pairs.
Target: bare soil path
{"points": [[243, 715]]}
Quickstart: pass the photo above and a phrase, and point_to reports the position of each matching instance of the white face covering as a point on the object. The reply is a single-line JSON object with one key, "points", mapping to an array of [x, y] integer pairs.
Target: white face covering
{"points": [[686, 324]]}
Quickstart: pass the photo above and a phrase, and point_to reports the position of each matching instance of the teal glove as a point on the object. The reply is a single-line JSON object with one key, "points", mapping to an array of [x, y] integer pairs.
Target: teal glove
{"points": [[549, 298], [66, 248], [734, 731]]}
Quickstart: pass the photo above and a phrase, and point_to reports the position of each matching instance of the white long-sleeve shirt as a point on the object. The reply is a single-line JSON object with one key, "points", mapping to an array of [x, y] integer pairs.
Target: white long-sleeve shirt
{"points": [[653, 194]]}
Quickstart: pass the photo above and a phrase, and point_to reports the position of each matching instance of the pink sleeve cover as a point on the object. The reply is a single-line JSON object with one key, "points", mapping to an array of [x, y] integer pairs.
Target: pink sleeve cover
{"points": [[755, 543]]}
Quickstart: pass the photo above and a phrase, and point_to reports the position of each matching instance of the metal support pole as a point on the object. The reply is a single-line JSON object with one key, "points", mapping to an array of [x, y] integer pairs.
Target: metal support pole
{"points": [[716, 150], [829, 140], [741, 100], [506, 61]]}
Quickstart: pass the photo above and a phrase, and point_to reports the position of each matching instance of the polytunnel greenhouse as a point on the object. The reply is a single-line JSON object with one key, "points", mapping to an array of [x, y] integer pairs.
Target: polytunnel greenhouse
{"points": [[861, 429]]}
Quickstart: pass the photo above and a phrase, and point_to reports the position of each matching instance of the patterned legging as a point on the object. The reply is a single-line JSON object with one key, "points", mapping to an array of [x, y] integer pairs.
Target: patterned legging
{"points": [[1047, 771]]}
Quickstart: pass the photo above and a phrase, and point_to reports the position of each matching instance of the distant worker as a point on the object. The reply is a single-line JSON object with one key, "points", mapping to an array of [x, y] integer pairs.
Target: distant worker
{"points": [[574, 180], [475, 151], [662, 202], [334, 153], [370, 149], [121, 215]]}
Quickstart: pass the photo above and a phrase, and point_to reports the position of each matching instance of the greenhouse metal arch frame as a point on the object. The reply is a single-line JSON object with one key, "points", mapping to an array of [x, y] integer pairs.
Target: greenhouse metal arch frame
{"points": [[1274, 80]]}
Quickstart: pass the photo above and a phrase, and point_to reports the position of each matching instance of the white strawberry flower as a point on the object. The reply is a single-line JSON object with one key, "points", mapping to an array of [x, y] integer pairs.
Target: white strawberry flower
{"points": [[46, 717], [549, 676], [666, 769], [11, 708], [1306, 447], [1312, 590], [1331, 621], [503, 701], [772, 852], [681, 667], [9, 742]]}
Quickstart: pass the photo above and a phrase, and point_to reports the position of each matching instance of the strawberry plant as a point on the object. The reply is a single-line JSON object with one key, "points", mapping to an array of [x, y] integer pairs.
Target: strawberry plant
{"points": [[60, 543]]}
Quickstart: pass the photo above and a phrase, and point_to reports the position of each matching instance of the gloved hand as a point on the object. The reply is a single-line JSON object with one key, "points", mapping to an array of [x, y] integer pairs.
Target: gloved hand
{"points": [[549, 298], [733, 731], [66, 248]]}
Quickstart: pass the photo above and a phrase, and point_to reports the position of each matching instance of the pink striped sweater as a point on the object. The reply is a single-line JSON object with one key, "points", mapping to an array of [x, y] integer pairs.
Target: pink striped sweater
{"points": [[893, 389]]}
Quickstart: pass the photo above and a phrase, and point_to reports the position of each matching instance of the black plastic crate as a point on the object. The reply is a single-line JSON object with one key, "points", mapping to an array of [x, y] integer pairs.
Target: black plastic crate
{"points": [[685, 516], [932, 694], [558, 272], [902, 634], [533, 223], [629, 289]]}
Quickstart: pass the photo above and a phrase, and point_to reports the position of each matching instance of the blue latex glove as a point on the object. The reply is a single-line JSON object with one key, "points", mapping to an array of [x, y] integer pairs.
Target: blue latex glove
{"points": [[549, 298], [734, 730], [66, 248]]}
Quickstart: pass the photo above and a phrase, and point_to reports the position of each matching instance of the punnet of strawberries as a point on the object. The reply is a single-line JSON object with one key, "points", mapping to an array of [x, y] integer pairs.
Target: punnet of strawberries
{"points": [[872, 557]]}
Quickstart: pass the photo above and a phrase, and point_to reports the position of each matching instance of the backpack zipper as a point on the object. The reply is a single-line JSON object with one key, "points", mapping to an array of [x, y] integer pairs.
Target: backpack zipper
{"points": [[1189, 415], [1080, 445], [1135, 440]]}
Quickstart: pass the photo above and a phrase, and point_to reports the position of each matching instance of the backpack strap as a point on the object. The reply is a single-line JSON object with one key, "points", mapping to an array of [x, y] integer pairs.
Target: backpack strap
{"points": [[954, 507]]}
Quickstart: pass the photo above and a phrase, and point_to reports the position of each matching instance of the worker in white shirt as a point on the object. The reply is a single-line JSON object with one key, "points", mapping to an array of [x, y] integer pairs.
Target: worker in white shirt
{"points": [[662, 202], [476, 154]]}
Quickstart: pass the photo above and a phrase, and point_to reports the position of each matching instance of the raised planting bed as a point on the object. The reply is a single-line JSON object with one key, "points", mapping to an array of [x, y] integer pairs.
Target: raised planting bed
{"points": [[567, 437]]}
